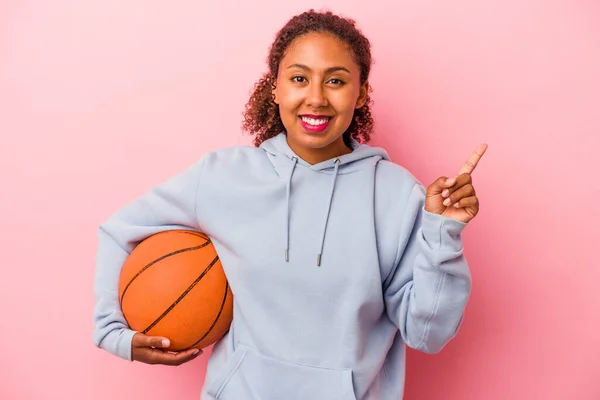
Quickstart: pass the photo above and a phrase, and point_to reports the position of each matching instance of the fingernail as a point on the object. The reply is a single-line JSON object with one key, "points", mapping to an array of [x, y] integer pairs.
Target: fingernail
{"points": [[455, 205], [445, 193], [447, 202], [449, 181], [165, 343], [195, 352]]}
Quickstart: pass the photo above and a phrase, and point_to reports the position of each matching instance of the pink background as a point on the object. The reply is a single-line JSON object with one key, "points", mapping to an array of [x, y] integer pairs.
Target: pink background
{"points": [[100, 100]]}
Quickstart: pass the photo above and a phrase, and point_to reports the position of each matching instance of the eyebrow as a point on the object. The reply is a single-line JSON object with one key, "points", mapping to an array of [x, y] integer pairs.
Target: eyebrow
{"points": [[329, 70]]}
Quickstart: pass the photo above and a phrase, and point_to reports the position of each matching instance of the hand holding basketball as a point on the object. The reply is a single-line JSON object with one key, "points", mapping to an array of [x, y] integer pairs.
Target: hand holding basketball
{"points": [[150, 350]]}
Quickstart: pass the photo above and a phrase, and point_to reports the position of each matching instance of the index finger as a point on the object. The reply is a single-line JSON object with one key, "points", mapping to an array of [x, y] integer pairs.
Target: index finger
{"points": [[473, 160]]}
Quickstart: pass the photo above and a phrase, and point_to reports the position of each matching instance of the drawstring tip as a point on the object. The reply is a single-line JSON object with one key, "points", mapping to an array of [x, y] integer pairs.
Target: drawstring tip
{"points": [[319, 260], [287, 255]]}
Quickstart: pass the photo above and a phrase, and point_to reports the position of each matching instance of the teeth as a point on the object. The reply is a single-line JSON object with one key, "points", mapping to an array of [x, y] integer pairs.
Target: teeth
{"points": [[313, 121]]}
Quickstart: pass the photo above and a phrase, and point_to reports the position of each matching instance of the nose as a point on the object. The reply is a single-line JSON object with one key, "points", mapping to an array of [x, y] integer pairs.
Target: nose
{"points": [[316, 97]]}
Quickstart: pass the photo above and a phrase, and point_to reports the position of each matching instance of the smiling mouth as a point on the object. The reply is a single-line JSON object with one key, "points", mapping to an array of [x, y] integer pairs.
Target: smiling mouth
{"points": [[315, 120], [314, 123]]}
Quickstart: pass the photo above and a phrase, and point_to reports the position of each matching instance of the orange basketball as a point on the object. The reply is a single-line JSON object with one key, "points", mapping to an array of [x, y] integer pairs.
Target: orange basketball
{"points": [[173, 285]]}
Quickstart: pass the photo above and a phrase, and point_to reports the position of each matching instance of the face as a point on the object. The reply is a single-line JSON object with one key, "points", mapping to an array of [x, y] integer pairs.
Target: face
{"points": [[317, 90]]}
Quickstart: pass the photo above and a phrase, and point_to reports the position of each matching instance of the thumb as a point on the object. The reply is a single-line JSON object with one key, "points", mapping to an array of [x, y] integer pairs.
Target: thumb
{"points": [[152, 341], [159, 342]]}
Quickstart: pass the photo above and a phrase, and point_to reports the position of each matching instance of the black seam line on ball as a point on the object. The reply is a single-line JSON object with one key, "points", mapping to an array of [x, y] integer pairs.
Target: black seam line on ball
{"points": [[182, 295], [156, 261], [215, 321]]}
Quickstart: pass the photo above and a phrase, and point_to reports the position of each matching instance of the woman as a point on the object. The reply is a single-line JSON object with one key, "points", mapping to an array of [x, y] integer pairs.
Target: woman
{"points": [[337, 258]]}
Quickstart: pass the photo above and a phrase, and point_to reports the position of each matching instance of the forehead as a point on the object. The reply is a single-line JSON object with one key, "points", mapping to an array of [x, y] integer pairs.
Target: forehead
{"points": [[319, 51]]}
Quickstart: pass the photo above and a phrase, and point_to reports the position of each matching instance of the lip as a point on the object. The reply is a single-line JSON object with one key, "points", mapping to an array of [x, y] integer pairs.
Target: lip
{"points": [[315, 116], [314, 128]]}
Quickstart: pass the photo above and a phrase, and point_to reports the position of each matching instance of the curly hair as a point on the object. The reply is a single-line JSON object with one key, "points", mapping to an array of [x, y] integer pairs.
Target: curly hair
{"points": [[261, 115]]}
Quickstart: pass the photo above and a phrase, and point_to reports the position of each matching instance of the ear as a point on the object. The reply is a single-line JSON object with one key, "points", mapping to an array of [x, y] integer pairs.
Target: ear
{"points": [[362, 95]]}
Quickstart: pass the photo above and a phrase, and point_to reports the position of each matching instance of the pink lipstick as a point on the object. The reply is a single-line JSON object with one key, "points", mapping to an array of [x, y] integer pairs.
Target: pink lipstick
{"points": [[315, 123]]}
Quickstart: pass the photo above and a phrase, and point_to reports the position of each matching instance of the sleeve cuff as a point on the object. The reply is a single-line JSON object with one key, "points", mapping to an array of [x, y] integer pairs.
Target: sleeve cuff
{"points": [[441, 232], [121, 343]]}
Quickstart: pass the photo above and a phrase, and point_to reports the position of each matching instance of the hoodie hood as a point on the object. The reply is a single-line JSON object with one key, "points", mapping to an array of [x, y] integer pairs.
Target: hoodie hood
{"points": [[285, 162], [278, 146]]}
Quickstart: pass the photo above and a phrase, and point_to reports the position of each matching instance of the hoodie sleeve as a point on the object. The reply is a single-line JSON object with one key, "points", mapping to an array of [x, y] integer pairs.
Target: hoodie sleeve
{"points": [[428, 287], [168, 206]]}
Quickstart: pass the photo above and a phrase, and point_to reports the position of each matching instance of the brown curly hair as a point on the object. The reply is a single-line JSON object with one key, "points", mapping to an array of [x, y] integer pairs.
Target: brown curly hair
{"points": [[261, 115]]}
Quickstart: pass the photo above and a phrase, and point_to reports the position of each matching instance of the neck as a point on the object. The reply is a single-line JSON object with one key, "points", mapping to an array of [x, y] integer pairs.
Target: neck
{"points": [[317, 155]]}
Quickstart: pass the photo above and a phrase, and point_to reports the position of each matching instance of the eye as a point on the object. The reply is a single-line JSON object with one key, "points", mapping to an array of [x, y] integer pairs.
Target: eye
{"points": [[298, 79], [336, 82]]}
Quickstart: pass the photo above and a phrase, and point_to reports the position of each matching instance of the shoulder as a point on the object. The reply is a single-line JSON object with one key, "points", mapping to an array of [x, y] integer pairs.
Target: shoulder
{"points": [[394, 178], [233, 154], [233, 157]]}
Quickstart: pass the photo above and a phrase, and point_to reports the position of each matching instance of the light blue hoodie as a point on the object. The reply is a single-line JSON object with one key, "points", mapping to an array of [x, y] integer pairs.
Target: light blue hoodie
{"points": [[334, 267]]}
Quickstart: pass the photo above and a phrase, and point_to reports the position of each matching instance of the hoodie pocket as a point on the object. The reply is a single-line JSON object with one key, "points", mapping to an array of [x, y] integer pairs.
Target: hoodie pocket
{"points": [[249, 375]]}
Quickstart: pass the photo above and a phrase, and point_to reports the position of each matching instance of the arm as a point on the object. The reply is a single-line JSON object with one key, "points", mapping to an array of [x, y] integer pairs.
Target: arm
{"points": [[170, 205], [427, 290]]}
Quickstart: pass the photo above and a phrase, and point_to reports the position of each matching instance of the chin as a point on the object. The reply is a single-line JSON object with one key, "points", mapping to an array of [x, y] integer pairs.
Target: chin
{"points": [[316, 140]]}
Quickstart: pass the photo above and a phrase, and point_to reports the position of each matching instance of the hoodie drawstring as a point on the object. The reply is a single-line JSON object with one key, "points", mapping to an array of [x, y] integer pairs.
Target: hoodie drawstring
{"points": [[336, 163], [287, 217]]}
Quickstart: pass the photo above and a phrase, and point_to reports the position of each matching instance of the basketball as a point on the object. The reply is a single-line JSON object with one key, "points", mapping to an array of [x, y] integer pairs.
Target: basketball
{"points": [[173, 285]]}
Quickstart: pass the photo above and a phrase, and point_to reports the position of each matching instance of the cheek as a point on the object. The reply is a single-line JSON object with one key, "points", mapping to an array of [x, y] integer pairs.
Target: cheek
{"points": [[344, 101], [289, 98]]}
